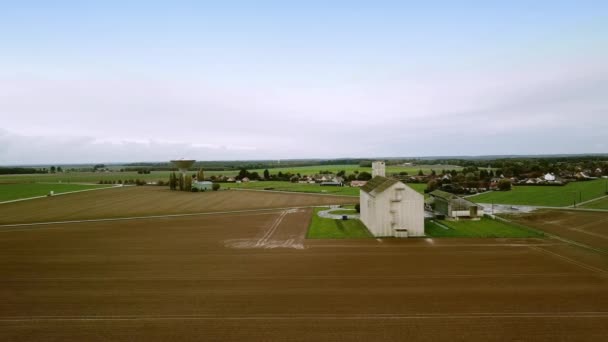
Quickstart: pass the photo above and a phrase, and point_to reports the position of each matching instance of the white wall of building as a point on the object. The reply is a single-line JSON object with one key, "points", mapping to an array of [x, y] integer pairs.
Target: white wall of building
{"points": [[399, 206]]}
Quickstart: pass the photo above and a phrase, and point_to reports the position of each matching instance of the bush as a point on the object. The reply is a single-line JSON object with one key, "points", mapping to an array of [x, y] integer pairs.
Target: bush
{"points": [[358, 208], [216, 186], [504, 185], [194, 190]]}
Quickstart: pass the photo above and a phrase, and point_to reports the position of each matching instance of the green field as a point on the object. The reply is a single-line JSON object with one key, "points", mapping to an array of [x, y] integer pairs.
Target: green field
{"points": [[599, 204], [323, 228], [484, 228], [551, 196], [10, 192], [311, 188], [95, 177]]}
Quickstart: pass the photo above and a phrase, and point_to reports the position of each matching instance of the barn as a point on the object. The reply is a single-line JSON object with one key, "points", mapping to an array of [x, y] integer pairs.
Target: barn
{"points": [[391, 208]]}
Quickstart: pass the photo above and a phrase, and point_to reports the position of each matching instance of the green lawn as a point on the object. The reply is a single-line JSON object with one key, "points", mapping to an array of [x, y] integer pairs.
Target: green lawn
{"points": [[552, 196], [344, 212], [484, 228], [25, 190], [599, 204], [322, 228]]}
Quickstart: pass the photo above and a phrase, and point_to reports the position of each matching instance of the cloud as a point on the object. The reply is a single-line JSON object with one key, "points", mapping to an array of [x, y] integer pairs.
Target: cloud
{"points": [[533, 111]]}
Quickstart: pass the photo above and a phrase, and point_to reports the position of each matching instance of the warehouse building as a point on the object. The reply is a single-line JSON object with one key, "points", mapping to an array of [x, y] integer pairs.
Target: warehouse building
{"points": [[452, 206], [389, 207]]}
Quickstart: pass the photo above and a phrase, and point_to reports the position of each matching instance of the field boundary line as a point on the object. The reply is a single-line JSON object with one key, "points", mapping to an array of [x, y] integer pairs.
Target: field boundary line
{"points": [[62, 193], [556, 237], [152, 217], [572, 261], [592, 200]]}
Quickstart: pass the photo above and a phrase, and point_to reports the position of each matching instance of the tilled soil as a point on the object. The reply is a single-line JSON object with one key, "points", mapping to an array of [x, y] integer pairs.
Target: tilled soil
{"points": [[152, 200], [187, 279]]}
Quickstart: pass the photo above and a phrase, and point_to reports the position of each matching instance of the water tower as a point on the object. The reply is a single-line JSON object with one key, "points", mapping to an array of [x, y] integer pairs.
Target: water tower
{"points": [[183, 165]]}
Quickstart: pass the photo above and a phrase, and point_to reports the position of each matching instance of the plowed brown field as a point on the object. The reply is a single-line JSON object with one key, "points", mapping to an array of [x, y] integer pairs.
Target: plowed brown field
{"points": [[151, 200], [586, 227], [253, 277]]}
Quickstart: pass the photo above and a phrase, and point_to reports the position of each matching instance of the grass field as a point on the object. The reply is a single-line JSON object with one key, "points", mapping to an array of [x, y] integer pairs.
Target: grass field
{"points": [[598, 204], [551, 196], [484, 228], [324, 228], [10, 192], [310, 188], [94, 177]]}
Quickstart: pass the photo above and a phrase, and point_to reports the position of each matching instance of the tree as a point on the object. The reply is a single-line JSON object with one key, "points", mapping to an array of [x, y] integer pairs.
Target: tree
{"points": [[420, 173], [53, 169], [201, 175], [215, 186], [180, 182], [432, 185], [266, 174], [188, 183], [59, 169], [364, 175], [504, 185]]}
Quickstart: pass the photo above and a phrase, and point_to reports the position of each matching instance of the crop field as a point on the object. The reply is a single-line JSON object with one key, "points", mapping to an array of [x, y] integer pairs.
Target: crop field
{"points": [[585, 227], [253, 276], [26, 190], [152, 200], [484, 228], [95, 177], [551, 196]]}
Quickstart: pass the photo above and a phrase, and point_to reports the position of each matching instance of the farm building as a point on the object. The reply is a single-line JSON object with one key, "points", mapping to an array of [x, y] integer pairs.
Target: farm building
{"points": [[391, 208], [202, 185], [452, 206]]}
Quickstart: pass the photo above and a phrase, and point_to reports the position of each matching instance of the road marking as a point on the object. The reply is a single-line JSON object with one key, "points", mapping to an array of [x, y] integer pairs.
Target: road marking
{"points": [[63, 193]]}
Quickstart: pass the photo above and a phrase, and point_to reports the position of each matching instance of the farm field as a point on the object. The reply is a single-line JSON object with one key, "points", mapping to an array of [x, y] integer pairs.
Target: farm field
{"points": [[325, 228], [253, 276], [152, 200], [484, 228], [585, 227], [95, 177], [551, 196], [10, 192]]}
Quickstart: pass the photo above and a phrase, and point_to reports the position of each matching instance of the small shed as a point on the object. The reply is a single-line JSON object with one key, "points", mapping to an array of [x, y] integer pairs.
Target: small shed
{"points": [[202, 185]]}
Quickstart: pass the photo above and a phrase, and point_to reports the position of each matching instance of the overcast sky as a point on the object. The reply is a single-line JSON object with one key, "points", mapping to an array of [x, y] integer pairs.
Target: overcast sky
{"points": [[107, 81]]}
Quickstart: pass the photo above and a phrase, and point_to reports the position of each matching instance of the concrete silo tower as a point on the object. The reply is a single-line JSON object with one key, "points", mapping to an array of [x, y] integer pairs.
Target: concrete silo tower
{"points": [[378, 169]]}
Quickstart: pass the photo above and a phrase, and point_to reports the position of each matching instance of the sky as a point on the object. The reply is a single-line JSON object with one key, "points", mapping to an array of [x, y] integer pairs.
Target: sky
{"points": [[119, 81]]}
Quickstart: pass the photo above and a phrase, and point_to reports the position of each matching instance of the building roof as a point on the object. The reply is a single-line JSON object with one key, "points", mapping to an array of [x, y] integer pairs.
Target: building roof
{"points": [[443, 194], [378, 184]]}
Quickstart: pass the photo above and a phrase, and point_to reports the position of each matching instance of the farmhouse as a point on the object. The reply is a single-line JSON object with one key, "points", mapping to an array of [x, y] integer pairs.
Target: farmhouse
{"points": [[452, 206], [389, 207]]}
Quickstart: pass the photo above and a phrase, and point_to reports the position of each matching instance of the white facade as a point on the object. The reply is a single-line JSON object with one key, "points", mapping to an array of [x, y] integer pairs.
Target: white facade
{"points": [[378, 169], [549, 177], [395, 211]]}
